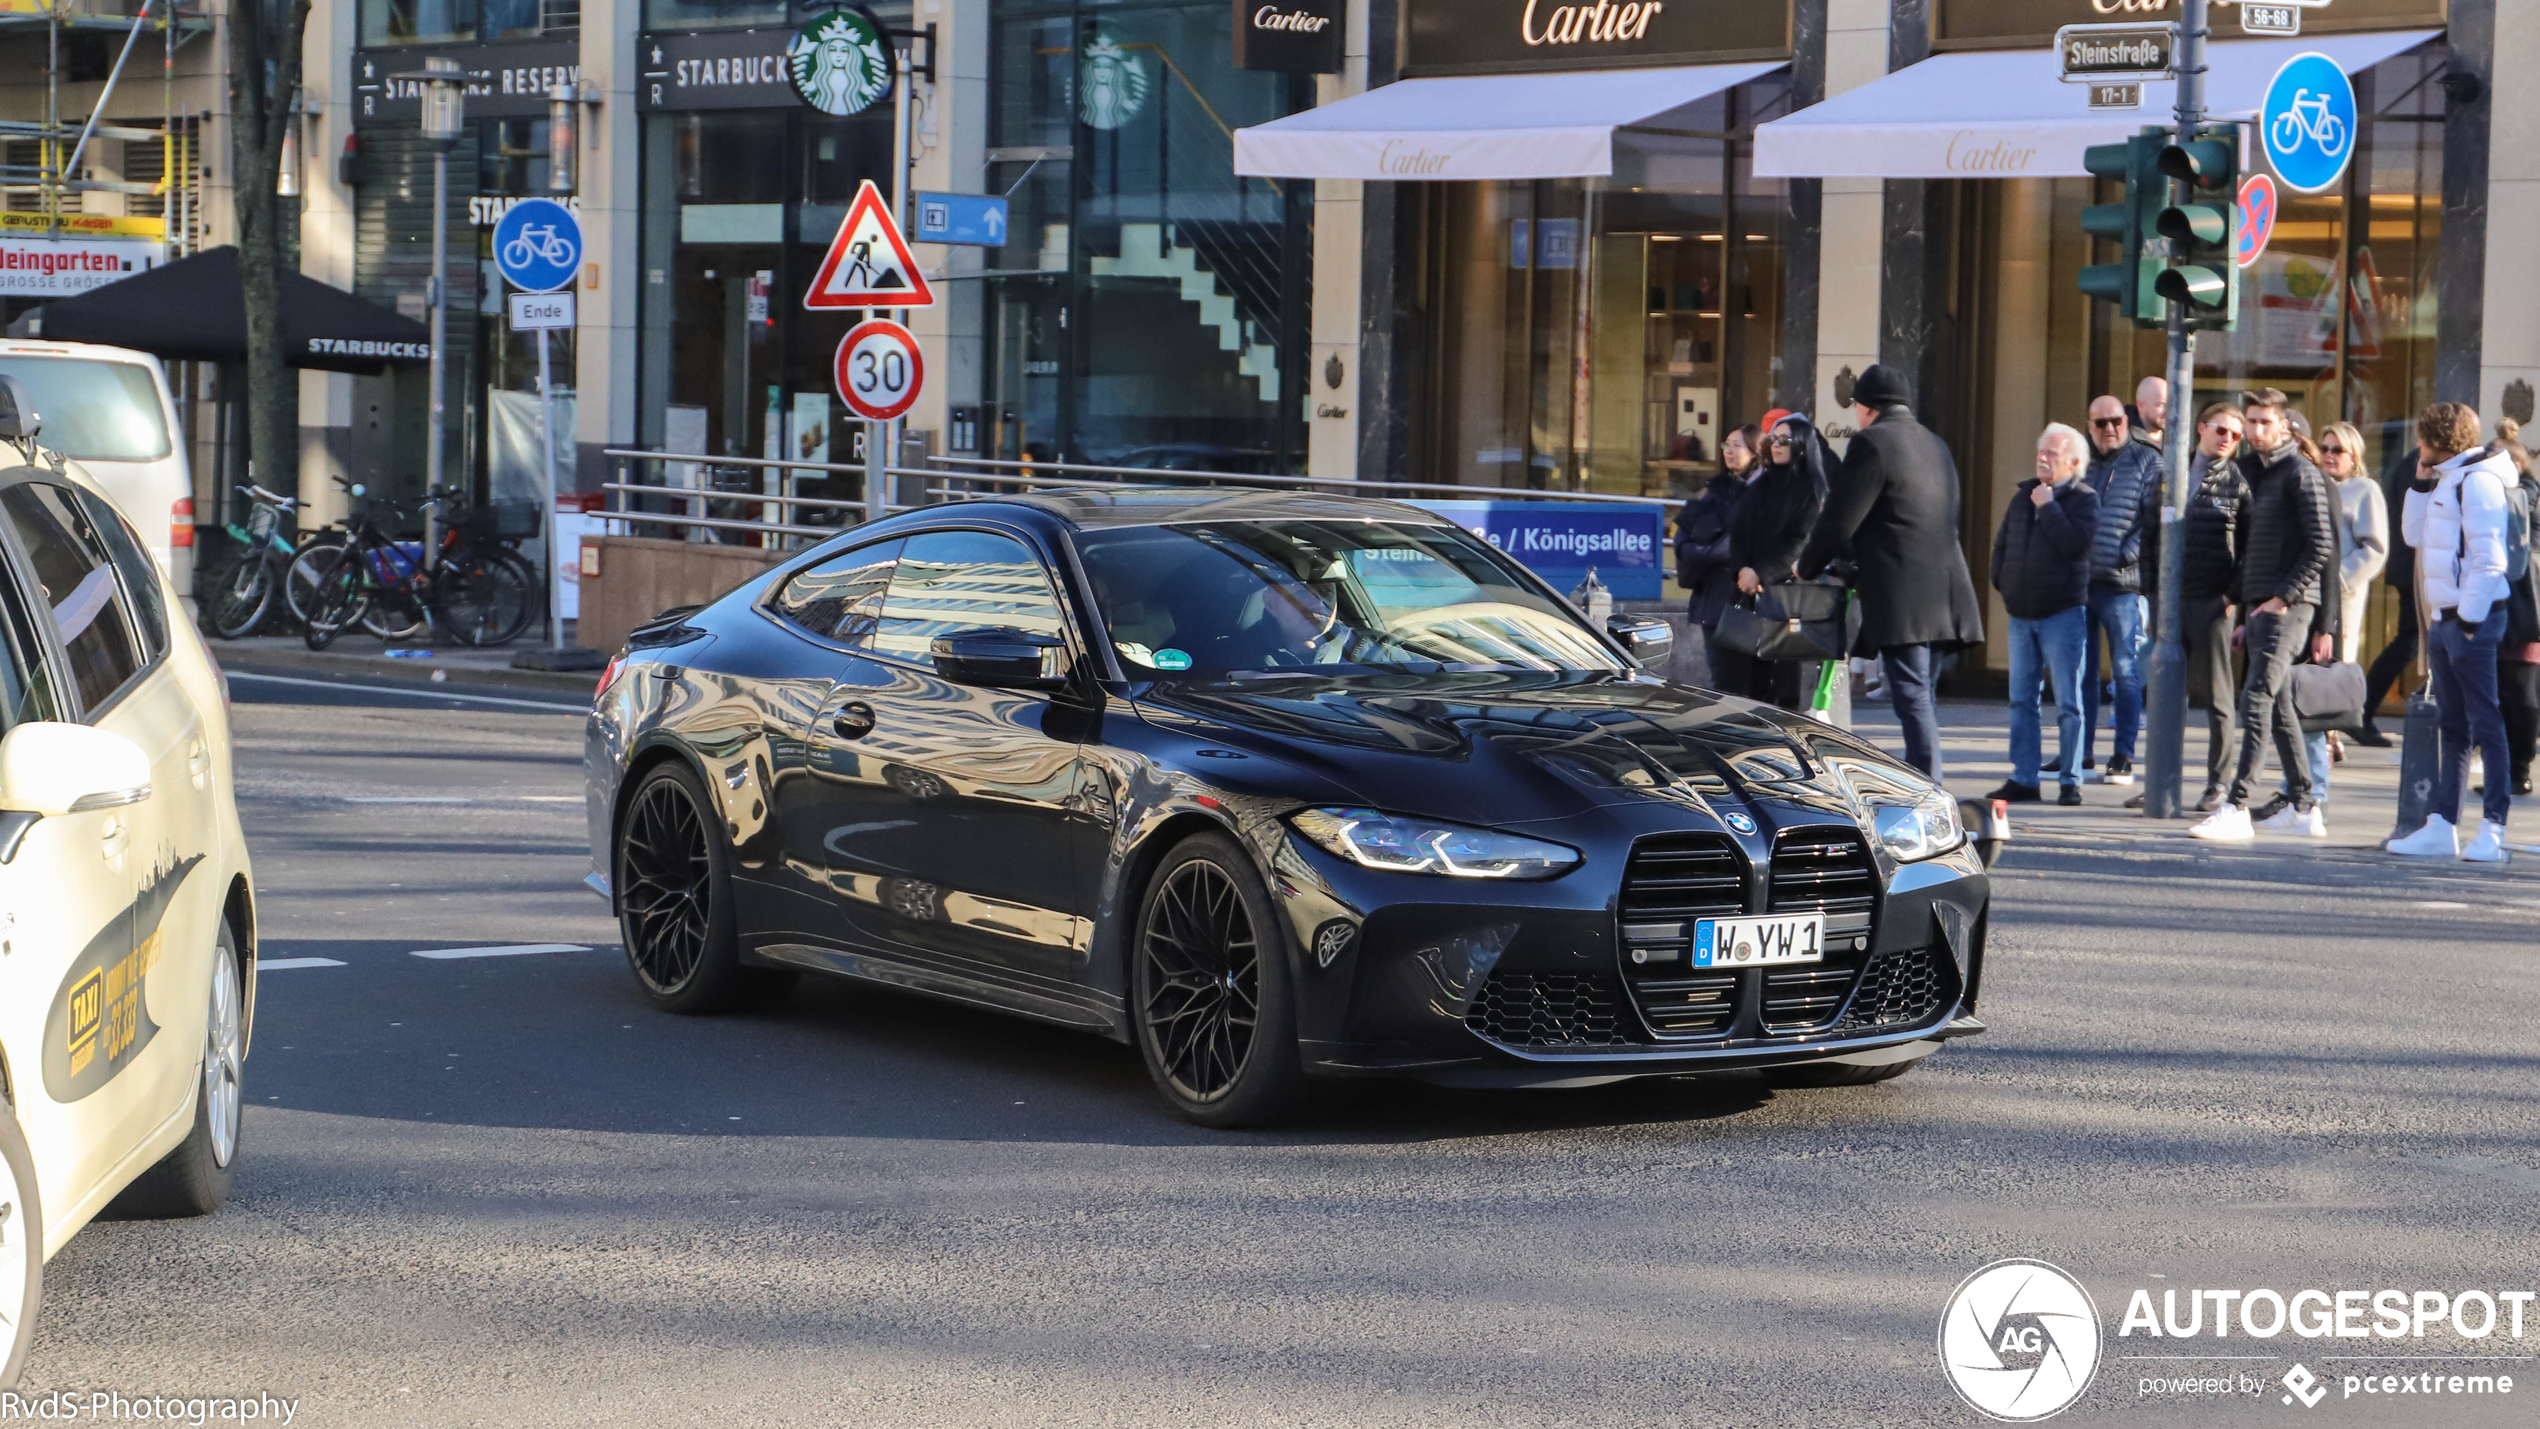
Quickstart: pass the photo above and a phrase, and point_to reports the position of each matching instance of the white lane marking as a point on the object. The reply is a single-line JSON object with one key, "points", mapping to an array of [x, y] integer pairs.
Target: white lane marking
{"points": [[515, 950], [395, 799], [551, 798], [410, 694], [275, 965]]}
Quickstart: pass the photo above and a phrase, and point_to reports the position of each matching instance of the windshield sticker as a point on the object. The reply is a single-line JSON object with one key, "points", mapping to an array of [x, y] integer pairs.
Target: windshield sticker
{"points": [[1171, 660], [1132, 651]]}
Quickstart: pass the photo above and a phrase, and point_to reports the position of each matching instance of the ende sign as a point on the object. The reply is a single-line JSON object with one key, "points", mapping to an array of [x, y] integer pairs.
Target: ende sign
{"points": [[1299, 36], [1501, 36]]}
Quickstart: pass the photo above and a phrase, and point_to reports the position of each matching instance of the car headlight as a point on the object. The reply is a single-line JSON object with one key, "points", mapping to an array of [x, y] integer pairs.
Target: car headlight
{"points": [[1400, 845], [1914, 825]]}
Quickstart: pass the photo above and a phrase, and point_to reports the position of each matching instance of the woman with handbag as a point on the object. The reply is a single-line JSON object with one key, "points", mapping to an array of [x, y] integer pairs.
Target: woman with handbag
{"points": [[1703, 566], [2518, 657], [1766, 537]]}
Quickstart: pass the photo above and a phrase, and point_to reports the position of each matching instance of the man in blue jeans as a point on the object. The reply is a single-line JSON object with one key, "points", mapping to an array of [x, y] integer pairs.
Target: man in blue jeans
{"points": [[2041, 564], [2126, 477]]}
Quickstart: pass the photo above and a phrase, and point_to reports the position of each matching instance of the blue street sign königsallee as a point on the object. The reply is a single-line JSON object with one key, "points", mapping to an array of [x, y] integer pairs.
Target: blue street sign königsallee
{"points": [[960, 218], [2308, 122], [538, 245], [1559, 540]]}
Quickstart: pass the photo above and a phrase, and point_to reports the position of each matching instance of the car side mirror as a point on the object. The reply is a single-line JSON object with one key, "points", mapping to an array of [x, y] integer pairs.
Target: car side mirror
{"points": [[19, 421], [998, 657], [50, 769], [1649, 639]]}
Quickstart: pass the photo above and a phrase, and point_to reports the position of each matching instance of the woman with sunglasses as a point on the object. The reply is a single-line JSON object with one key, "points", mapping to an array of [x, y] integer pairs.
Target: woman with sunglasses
{"points": [[2363, 548], [1703, 566], [2211, 559], [1766, 537]]}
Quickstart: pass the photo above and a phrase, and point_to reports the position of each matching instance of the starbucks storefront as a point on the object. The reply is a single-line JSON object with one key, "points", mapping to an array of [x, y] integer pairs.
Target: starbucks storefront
{"points": [[1596, 277]]}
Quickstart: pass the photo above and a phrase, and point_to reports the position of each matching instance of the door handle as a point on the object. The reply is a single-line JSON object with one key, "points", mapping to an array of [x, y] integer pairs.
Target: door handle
{"points": [[114, 838], [853, 720]]}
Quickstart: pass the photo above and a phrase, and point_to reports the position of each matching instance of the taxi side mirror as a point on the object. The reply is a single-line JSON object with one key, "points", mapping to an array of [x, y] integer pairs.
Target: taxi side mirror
{"points": [[51, 769]]}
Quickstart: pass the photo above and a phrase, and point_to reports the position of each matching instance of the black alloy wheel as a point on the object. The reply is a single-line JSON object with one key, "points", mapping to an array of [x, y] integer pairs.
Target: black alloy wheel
{"points": [[674, 897], [1216, 1020]]}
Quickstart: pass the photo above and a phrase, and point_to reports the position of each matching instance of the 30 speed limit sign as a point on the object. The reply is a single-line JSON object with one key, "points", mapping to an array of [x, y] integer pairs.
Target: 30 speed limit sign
{"points": [[880, 370]]}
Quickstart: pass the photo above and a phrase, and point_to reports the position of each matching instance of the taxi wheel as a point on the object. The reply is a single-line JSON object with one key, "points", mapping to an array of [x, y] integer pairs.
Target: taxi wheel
{"points": [[21, 1248], [1216, 1014], [193, 1180]]}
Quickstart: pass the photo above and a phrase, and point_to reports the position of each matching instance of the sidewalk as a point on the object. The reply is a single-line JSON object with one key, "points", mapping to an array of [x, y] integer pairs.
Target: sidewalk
{"points": [[363, 656], [2362, 803]]}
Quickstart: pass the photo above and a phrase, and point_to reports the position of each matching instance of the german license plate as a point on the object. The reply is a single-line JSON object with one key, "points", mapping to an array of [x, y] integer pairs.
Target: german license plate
{"points": [[1759, 942]]}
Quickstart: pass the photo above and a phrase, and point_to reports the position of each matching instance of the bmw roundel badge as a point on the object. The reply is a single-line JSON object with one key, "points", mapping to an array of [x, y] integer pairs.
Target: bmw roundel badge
{"points": [[1741, 823]]}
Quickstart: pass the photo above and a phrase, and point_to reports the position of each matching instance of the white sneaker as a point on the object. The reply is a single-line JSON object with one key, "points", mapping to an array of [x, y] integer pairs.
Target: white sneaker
{"points": [[2228, 824], [2309, 823], [2489, 846], [2438, 839]]}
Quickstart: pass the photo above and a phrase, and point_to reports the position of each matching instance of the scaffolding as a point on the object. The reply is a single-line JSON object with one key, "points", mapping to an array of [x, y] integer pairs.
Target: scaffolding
{"points": [[59, 146]]}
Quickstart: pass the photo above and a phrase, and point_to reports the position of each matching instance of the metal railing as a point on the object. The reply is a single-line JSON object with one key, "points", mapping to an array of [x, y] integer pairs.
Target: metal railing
{"points": [[944, 480]]}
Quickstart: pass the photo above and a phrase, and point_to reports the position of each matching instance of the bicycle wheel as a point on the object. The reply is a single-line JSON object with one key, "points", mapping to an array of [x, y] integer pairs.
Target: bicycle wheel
{"points": [[240, 596], [308, 567], [485, 597], [338, 599]]}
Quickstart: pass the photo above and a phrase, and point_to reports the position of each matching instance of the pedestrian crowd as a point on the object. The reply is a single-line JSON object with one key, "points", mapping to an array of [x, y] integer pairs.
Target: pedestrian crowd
{"points": [[2281, 540]]}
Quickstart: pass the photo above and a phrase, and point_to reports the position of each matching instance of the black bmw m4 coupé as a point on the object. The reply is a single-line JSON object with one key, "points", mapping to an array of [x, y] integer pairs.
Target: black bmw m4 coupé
{"points": [[1277, 788]]}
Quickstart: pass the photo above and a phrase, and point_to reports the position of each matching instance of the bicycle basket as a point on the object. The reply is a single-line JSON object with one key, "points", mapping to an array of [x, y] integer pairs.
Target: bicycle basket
{"points": [[261, 523], [381, 511]]}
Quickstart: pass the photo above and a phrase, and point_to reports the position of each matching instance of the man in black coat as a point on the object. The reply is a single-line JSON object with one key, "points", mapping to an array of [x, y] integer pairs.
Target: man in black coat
{"points": [[2042, 565], [1894, 511]]}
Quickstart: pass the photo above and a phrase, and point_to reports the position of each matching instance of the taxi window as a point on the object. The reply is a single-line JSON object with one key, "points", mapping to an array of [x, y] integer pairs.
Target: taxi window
{"points": [[140, 573], [26, 682], [76, 586], [840, 599], [955, 580]]}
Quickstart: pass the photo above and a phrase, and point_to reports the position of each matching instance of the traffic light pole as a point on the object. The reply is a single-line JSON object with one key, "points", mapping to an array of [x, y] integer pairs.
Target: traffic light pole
{"points": [[2165, 732]]}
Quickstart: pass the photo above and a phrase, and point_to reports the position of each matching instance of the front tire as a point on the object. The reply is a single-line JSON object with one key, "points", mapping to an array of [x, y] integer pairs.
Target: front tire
{"points": [[1215, 1010], [674, 896], [193, 1180], [21, 1248]]}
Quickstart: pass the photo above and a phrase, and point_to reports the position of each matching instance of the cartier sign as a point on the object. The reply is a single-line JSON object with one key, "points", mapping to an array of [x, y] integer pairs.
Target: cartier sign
{"points": [[1490, 36], [1303, 36], [2003, 24]]}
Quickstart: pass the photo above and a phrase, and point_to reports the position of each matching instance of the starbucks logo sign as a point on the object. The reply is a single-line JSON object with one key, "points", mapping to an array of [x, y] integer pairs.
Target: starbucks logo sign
{"points": [[1111, 84], [840, 63]]}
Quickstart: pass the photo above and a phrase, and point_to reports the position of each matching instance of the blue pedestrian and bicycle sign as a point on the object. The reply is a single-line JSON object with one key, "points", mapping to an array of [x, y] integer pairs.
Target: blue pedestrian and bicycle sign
{"points": [[2308, 122], [538, 245]]}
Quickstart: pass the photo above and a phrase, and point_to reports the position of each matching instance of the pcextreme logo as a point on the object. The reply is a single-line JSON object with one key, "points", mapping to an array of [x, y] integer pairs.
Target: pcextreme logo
{"points": [[2020, 1340]]}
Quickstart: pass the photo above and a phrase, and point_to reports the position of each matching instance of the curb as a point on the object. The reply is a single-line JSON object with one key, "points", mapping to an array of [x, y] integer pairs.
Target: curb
{"points": [[403, 672]]}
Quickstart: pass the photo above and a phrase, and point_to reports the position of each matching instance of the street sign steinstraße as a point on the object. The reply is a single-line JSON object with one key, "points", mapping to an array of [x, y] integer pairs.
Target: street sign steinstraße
{"points": [[2102, 54]]}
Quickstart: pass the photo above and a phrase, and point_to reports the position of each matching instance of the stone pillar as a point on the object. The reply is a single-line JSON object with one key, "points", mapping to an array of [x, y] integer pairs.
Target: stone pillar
{"points": [[1333, 400], [1803, 219], [2508, 367], [1387, 320], [951, 147], [611, 210], [1853, 218], [326, 254]]}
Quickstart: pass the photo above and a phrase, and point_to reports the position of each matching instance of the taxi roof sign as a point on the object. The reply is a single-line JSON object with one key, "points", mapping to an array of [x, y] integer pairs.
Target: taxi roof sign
{"points": [[868, 264]]}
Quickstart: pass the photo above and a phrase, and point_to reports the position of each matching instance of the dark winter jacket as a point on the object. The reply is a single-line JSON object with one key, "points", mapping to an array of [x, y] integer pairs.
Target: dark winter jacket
{"points": [[1770, 531], [2127, 482], [2288, 531], [1702, 548], [1894, 509], [2041, 554], [2212, 559]]}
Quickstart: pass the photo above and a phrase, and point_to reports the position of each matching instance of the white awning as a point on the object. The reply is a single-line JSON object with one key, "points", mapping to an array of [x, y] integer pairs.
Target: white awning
{"points": [[2006, 114], [1497, 126]]}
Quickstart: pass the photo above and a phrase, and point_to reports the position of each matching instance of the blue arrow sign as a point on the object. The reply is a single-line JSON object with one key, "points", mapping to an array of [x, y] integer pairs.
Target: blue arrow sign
{"points": [[960, 218], [538, 245], [2308, 122]]}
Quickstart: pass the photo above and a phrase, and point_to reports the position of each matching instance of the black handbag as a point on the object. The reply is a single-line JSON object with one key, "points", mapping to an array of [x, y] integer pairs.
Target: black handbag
{"points": [[1796, 620], [2329, 697]]}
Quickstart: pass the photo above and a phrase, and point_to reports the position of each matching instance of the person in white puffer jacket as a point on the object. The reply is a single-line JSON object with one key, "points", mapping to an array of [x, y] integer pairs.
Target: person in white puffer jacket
{"points": [[2455, 519]]}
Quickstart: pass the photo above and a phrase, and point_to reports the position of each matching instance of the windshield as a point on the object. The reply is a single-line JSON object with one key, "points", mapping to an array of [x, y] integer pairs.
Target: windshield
{"points": [[93, 411], [1226, 597]]}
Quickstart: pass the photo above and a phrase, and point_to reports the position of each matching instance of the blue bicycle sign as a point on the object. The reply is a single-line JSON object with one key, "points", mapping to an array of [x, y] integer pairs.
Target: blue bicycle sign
{"points": [[538, 245], [2308, 122]]}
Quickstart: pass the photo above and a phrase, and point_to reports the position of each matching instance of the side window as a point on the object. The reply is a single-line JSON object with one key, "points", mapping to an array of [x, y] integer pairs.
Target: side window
{"points": [[140, 573], [840, 599], [26, 682], [953, 580], [76, 584]]}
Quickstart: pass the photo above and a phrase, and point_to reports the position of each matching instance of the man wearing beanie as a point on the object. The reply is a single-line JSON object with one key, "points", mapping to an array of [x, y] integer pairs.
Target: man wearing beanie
{"points": [[1894, 511]]}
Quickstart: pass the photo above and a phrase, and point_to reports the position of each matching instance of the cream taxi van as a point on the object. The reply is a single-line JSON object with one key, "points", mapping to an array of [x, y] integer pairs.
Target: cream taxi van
{"points": [[127, 923]]}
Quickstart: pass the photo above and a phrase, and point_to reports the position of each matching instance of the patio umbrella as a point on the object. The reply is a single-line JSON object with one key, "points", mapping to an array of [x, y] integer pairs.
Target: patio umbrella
{"points": [[191, 310]]}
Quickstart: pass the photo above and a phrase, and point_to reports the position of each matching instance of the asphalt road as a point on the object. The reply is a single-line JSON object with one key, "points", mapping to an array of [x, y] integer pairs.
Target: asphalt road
{"points": [[501, 1191]]}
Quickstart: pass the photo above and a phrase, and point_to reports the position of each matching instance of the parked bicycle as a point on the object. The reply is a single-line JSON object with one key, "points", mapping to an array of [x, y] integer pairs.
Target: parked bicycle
{"points": [[238, 599], [475, 588]]}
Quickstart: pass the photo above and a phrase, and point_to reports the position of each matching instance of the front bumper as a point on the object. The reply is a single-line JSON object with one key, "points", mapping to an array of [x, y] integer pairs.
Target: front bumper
{"points": [[1534, 984]]}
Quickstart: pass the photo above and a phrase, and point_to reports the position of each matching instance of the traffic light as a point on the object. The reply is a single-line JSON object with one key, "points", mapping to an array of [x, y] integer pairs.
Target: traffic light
{"points": [[2128, 223], [2203, 272]]}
